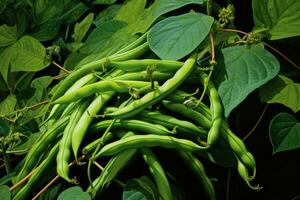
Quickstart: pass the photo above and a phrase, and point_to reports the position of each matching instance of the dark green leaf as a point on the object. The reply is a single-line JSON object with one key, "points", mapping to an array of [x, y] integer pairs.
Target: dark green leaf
{"points": [[46, 31], [4, 192], [74, 193], [245, 69], [8, 105], [105, 2], [82, 28], [28, 55], [284, 132], [175, 37], [4, 127], [281, 90], [140, 189], [6, 54], [107, 14], [282, 18], [8, 35], [52, 193]]}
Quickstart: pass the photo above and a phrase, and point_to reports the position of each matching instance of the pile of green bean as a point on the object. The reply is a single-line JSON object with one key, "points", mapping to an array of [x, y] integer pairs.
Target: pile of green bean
{"points": [[131, 105]]}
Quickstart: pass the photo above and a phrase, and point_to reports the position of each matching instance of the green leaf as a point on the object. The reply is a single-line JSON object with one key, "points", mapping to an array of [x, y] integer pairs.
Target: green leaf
{"points": [[28, 55], [6, 55], [52, 193], [105, 2], [107, 14], [8, 105], [282, 18], [245, 69], [281, 90], [82, 28], [140, 189], [175, 37], [284, 132], [140, 19], [74, 193], [4, 192], [25, 146], [8, 35]]}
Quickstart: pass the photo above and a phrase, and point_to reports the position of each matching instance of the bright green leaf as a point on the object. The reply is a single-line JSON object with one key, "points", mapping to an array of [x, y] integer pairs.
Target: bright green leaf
{"points": [[176, 37], [8, 35], [82, 28], [282, 18], [245, 69], [8, 104], [74, 193], [28, 55], [284, 132], [281, 90], [107, 14], [4, 192], [140, 189]]}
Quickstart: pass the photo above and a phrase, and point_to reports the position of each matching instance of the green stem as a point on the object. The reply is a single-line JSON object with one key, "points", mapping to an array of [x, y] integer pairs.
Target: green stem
{"points": [[5, 158]]}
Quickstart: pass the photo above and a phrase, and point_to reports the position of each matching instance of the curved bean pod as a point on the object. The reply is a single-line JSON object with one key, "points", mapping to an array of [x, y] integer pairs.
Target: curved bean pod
{"points": [[85, 119], [97, 65], [39, 147], [150, 140], [101, 86], [158, 174], [155, 96]]}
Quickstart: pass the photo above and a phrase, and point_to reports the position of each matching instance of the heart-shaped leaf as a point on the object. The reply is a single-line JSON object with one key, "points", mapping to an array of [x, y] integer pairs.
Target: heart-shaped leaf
{"points": [[281, 17], [74, 193], [284, 132], [281, 90], [176, 37], [244, 70], [4, 192]]}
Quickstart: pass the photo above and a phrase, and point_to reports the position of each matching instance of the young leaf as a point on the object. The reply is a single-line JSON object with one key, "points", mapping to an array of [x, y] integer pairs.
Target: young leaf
{"points": [[82, 28], [284, 132], [74, 193], [282, 90], [176, 37], [140, 189], [4, 192], [245, 69], [8, 35], [28, 55], [282, 18]]}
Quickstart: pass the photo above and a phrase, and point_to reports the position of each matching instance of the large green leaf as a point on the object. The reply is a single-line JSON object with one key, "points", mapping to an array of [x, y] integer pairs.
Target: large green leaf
{"points": [[176, 37], [28, 55], [281, 90], [8, 35], [74, 193], [281, 17], [140, 189], [4, 192], [245, 69], [284, 132], [82, 28]]}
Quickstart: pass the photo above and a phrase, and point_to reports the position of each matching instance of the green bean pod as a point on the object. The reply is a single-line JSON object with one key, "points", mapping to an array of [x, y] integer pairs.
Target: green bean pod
{"points": [[197, 168], [97, 66], [64, 153], [85, 119], [150, 140], [111, 170], [39, 173], [181, 126], [155, 96], [144, 76], [101, 86], [131, 125], [142, 65], [40, 146], [244, 174], [89, 148], [158, 174], [132, 45]]}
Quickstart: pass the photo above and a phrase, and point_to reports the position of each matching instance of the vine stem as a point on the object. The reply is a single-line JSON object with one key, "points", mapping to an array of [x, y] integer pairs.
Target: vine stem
{"points": [[21, 182], [5, 158], [60, 67], [257, 123], [25, 108], [266, 44], [55, 179]]}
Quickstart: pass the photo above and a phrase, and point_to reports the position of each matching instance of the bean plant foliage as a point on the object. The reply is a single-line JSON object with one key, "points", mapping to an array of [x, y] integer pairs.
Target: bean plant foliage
{"points": [[96, 96]]}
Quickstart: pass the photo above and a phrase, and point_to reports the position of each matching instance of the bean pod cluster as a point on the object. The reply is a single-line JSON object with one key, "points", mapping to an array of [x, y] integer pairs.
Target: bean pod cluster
{"points": [[124, 106]]}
